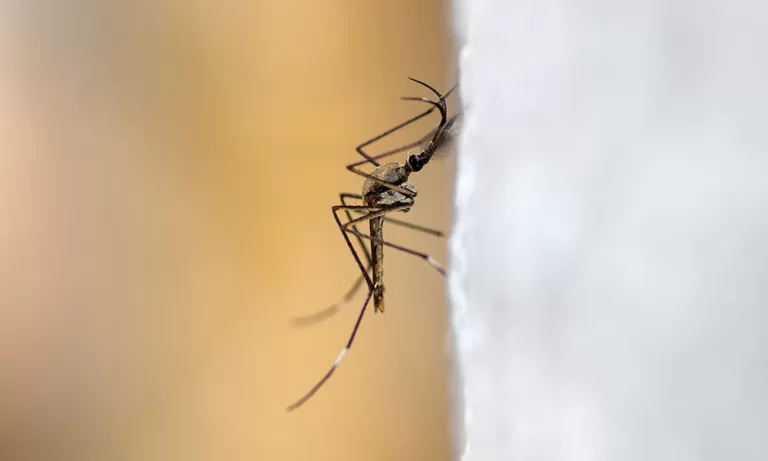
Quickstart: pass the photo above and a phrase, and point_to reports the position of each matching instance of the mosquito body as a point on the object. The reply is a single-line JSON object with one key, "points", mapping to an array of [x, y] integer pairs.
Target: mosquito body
{"points": [[385, 190], [440, 145]]}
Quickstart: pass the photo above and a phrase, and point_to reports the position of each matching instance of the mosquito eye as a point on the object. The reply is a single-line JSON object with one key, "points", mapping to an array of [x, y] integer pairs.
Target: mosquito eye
{"points": [[415, 163]]}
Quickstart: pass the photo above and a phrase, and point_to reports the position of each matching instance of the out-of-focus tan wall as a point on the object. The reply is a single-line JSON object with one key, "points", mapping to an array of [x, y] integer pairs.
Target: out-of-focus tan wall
{"points": [[166, 176]]}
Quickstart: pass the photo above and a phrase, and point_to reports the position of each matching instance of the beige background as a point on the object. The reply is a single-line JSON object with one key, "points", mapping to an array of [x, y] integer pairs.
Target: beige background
{"points": [[166, 176]]}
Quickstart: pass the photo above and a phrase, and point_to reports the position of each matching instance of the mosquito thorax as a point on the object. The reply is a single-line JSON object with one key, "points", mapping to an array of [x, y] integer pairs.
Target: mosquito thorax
{"points": [[392, 173], [375, 194]]}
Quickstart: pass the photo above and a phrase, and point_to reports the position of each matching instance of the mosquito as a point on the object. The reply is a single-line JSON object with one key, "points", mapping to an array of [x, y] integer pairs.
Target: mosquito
{"points": [[441, 145], [385, 190]]}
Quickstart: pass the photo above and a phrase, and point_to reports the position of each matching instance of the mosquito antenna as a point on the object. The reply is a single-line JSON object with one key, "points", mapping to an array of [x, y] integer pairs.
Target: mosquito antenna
{"points": [[443, 111], [438, 132], [437, 93], [441, 105], [442, 97]]}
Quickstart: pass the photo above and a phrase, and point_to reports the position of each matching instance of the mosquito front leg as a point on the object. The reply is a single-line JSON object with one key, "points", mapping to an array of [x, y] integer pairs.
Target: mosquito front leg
{"points": [[372, 159], [397, 150]]}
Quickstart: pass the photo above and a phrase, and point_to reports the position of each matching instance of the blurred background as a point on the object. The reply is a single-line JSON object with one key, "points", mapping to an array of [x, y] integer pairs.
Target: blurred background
{"points": [[166, 176]]}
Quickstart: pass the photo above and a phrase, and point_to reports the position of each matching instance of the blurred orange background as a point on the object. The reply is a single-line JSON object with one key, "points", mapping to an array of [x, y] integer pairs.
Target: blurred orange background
{"points": [[166, 176]]}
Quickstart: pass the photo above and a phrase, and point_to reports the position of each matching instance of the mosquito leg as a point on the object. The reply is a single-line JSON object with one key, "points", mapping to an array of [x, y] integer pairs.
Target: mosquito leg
{"points": [[356, 286], [424, 156], [352, 335], [406, 147], [416, 227], [374, 158], [414, 144], [376, 212], [331, 310], [338, 360], [373, 212], [343, 197], [429, 259]]}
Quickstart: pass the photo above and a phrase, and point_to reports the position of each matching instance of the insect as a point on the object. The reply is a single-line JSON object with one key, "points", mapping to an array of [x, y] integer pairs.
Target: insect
{"points": [[385, 190]]}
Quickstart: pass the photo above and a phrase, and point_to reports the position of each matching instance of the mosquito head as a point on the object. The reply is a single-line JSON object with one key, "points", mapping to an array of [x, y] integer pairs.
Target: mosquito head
{"points": [[416, 162]]}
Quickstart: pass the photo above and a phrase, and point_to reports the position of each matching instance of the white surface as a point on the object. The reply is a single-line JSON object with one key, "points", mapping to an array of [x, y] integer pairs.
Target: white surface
{"points": [[609, 263]]}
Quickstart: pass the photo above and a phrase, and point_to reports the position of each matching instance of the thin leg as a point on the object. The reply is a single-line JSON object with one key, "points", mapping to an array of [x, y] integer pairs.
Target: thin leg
{"points": [[443, 116], [343, 197], [331, 310], [408, 146], [429, 259], [351, 339], [375, 212], [416, 227], [336, 363], [423, 156], [426, 152], [373, 159], [430, 148]]}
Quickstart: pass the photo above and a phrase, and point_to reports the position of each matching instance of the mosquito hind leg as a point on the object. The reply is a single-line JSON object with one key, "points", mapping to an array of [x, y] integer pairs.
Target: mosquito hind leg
{"points": [[330, 311], [352, 335], [333, 309], [429, 259], [409, 225], [336, 362], [375, 212]]}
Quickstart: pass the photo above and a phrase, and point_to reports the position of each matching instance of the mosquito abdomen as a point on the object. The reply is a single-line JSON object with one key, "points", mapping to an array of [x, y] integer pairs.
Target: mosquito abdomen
{"points": [[377, 259]]}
